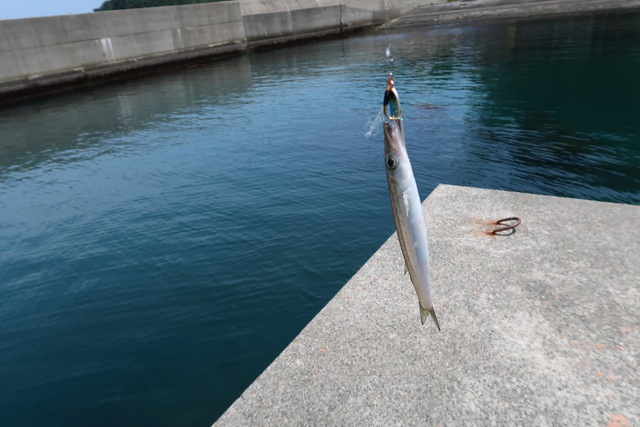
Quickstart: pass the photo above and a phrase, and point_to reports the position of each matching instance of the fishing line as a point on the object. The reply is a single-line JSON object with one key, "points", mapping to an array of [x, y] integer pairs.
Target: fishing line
{"points": [[389, 78], [388, 53], [374, 125]]}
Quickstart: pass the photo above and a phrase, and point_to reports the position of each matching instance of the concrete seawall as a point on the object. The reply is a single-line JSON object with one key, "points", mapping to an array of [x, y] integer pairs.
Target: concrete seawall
{"points": [[44, 55], [41, 55], [540, 327], [285, 26]]}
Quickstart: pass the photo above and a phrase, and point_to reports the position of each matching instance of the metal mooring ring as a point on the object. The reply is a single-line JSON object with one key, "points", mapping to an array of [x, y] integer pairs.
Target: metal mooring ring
{"points": [[511, 228]]}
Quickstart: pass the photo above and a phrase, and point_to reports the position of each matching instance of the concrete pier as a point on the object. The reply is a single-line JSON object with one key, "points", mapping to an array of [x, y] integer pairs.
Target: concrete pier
{"points": [[540, 327]]}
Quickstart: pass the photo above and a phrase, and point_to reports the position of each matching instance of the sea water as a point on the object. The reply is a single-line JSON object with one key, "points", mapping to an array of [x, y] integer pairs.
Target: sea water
{"points": [[162, 240]]}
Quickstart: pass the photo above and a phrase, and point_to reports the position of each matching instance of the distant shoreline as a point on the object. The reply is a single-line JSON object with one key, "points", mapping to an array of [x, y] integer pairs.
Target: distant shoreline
{"points": [[500, 10]]}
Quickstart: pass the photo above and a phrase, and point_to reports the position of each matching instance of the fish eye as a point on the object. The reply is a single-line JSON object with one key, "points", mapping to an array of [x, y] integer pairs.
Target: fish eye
{"points": [[391, 162]]}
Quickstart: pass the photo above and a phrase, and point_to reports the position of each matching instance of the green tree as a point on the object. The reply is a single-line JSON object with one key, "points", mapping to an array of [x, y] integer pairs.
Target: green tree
{"points": [[135, 4]]}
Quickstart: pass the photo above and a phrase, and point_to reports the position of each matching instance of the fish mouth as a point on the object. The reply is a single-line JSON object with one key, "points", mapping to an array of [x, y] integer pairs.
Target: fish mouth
{"points": [[392, 126], [387, 130], [393, 140]]}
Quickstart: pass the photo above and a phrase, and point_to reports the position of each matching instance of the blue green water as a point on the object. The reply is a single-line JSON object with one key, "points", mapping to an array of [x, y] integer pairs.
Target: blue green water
{"points": [[162, 240]]}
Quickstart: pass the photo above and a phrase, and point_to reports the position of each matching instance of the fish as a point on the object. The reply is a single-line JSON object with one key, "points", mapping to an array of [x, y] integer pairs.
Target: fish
{"points": [[406, 204]]}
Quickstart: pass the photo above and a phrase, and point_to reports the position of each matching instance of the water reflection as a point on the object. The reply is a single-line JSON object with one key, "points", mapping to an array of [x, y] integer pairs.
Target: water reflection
{"points": [[542, 106], [32, 132], [564, 105]]}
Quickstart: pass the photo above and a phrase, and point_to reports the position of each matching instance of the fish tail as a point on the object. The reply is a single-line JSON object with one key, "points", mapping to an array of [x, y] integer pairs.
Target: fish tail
{"points": [[432, 312]]}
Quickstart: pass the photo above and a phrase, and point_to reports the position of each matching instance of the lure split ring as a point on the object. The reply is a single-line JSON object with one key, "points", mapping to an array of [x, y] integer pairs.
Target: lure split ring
{"points": [[391, 91], [398, 117]]}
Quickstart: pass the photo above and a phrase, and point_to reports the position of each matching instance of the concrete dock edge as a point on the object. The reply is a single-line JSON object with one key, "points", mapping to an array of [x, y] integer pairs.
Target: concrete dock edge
{"points": [[541, 327]]}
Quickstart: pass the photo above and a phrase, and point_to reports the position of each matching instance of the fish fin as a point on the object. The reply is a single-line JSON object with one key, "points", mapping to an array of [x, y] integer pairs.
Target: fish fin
{"points": [[423, 315]]}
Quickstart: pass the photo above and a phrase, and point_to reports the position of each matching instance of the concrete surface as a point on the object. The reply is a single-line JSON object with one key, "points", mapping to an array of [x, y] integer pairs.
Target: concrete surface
{"points": [[486, 10], [541, 327]]}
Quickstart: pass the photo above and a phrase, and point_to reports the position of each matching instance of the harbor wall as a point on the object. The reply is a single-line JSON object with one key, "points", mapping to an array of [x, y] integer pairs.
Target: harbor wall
{"points": [[42, 55], [40, 52]]}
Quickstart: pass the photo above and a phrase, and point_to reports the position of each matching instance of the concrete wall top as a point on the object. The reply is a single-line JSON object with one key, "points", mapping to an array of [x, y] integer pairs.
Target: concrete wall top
{"points": [[256, 7]]}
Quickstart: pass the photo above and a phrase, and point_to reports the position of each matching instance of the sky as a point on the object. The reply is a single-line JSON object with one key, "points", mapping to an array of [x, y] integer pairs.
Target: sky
{"points": [[13, 9]]}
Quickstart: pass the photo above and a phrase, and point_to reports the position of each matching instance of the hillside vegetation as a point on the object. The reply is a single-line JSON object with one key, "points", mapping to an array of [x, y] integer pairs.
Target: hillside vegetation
{"points": [[136, 4]]}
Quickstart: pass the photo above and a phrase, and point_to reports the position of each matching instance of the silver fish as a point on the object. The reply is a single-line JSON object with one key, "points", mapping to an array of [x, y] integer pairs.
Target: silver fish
{"points": [[406, 204]]}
